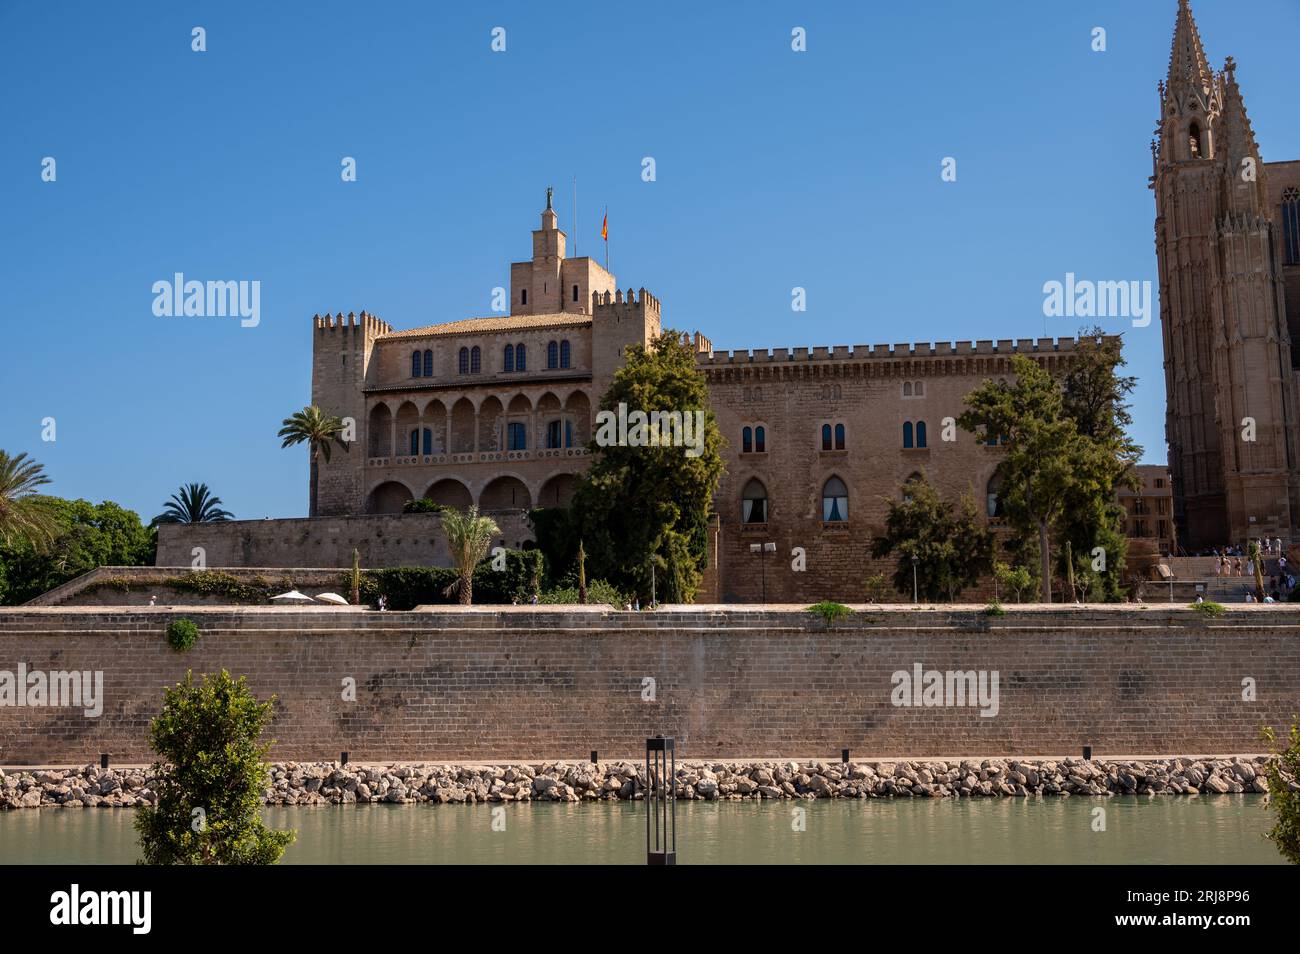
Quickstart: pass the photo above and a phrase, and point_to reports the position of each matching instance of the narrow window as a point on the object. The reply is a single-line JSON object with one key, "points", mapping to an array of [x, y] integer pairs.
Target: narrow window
{"points": [[907, 389], [575, 292], [428, 363], [552, 355], [835, 501], [992, 494], [919, 390], [826, 437], [415, 442], [428, 440], [552, 434], [920, 433], [516, 437], [1194, 140], [415, 364], [523, 296], [747, 441], [760, 440], [475, 360], [753, 503], [564, 353], [1291, 225], [839, 437], [462, 361], [568, 433], [907, 433], [508, 363], [521, 362]]}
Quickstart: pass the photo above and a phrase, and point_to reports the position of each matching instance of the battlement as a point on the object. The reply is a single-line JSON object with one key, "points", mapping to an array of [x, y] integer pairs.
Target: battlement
{"points": [[942, 349], [619, 297], [371, 325]]}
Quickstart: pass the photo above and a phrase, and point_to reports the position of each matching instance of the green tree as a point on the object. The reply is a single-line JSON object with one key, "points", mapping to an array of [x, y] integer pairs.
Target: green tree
{"points": [[582, 574], [193, 503], [1095, 396], [85, 536], [952, 546], [319, 431], [1016, 579], [1282, 770], [24, 514], [210, 777], [468, 538], [637, 504], [1044, 451], [1255, 556]]}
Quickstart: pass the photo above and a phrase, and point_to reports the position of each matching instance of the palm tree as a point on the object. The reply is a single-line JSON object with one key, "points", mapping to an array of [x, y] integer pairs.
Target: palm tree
{"points": [[319, 430], [468, 539], [24, 514], [193, 503]]}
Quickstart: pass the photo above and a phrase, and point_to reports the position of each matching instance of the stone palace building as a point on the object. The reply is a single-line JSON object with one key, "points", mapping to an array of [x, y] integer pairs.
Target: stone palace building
{"points": [[1228, 241], [497, 411]]}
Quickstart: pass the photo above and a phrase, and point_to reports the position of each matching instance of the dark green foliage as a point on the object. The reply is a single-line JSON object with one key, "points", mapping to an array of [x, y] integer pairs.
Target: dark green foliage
{"points": [[410, 586], [423, 505], [953, 547], [210, 778], [1283, 769], [1209, 608], [193, 503], [87, 536], [556, 530], [211, 583], [994, 608], [182, 634], [641, 505], [598, 592]]}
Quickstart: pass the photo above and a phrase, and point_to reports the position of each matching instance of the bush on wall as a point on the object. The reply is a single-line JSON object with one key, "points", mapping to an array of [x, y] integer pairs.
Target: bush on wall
{"points": [[182, 634]]}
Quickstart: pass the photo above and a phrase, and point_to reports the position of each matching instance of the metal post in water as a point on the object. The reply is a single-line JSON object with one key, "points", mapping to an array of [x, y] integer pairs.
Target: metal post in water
{"points": [[661, 801]]}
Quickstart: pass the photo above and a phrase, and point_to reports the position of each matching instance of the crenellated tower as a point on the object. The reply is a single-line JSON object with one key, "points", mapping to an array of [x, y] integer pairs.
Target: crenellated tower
{"points": [[1231, 392], [342, 347]]}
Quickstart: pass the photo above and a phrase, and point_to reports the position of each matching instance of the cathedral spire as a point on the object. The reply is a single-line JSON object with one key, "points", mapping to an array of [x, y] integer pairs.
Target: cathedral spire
{"points": [[1235, 142], [1188, 66]]}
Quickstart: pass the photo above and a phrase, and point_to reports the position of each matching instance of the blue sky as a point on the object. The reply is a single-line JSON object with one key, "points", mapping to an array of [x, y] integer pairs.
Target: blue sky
{"points": [[775, 169]]}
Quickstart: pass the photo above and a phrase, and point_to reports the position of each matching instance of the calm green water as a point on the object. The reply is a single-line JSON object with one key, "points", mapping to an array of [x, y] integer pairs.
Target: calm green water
{"points": [[1224, 829]]}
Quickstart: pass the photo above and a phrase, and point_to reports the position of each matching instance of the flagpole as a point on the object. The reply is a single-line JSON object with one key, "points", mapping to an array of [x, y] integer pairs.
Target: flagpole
{"points": [[606, 237], [575, 216]]}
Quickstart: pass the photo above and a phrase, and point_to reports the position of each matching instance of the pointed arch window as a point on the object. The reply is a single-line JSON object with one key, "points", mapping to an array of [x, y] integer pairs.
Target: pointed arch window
{"points": [[1291, 225], [552, 355], [1194, 140], [508, 364], [835, 501], [415, 364], [753, 502], [462, 361]]}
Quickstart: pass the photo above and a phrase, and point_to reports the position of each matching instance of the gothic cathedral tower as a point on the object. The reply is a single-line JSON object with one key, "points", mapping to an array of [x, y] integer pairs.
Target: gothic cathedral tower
{"points": [[1231, 389]]}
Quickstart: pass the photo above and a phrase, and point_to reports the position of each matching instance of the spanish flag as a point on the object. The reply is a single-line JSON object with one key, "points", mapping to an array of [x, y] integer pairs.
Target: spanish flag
{"points": [[604, 226]]}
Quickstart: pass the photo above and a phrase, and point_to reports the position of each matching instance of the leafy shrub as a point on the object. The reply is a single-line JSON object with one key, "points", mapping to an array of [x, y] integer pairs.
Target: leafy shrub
{"points": [[830, 611], [598, 591], [994, 608], [182, 634], [1281, 770], [407, 587], [423, 505], [210, 776], [1209, 608]]}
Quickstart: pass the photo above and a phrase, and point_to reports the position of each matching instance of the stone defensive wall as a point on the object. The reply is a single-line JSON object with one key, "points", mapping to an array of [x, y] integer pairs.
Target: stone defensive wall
{"points": [[1039, 347], [382, 540], [527, 683]]}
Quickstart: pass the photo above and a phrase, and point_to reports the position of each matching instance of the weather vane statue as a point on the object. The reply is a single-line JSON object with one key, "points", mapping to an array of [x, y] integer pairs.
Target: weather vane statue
{"points": [[549, 192]]}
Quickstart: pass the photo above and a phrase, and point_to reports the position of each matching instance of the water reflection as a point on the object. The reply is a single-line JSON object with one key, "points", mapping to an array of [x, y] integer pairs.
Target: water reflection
{"points": [[1221, 830]]}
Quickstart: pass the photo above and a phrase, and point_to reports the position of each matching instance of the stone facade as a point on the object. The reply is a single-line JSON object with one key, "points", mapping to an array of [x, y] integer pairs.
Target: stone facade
{"points": [[1228, 240], [1149, 509], [531, 683]]}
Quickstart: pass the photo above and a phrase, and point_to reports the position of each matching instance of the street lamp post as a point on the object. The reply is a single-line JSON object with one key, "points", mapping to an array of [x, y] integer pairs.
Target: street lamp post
{"points": [[760, 549], [915, 593]]}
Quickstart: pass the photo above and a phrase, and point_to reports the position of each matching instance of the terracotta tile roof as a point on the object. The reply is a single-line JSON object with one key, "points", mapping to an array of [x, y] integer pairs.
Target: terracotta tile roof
{"points": [[469, 326]]}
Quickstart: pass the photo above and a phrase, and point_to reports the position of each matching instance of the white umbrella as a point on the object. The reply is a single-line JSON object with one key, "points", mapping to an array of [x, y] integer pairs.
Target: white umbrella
{"points": [[332, 598], [292, 595]]}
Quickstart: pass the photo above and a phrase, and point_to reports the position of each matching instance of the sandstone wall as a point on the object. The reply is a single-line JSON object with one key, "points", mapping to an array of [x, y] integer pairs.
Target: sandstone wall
{"points": [[545, 683]]}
